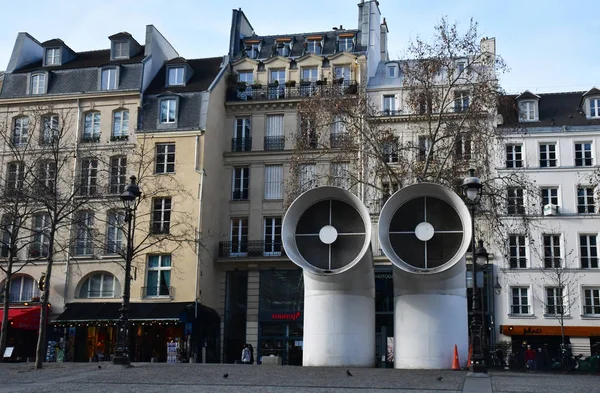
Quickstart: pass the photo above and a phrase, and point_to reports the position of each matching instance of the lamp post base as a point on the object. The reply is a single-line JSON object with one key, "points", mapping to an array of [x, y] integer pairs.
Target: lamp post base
{"points": [[478, 367], [121, 360]]}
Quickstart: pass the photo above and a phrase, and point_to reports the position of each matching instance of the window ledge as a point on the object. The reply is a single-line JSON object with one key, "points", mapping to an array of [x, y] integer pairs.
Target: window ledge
{"points": [[553, 316], [522, 316], [272, 200], [84, 257], [590, 316], [164, 173]]}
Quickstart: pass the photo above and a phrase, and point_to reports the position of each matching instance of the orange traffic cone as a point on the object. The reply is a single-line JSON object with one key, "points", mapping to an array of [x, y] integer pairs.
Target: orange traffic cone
{"points": [[469, 356], [455, 362]]}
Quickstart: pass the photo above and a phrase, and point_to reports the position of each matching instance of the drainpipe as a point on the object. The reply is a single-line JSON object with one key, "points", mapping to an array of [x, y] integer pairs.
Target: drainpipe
{"points": [[200, 194]]}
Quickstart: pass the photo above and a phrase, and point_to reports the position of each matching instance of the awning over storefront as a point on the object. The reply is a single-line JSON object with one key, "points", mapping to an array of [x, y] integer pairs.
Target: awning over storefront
{"points": [[27, 318], [85, 312], [573, 331]]}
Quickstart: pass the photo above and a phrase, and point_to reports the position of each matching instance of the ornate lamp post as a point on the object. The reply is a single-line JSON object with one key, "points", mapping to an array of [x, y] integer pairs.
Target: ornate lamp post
{"points": [[472, 190], [130, 199]]}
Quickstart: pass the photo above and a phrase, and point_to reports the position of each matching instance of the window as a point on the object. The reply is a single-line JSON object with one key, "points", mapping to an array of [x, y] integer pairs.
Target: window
{"points": [[84, 227], [425, 148], [22, 289], [515, 202], [387, 190], [50, 132], [158, 281], [308, 133], [555, 303], [41, 236], [313, 46], [391, 71], [514, 156], [588, 251], [552, 258], [239, 236], [460, 66], [283, 49], [461, 101], [115, 235], [519, 300], [91, 127], [246, 77], [463, 147], [591, 298], [277, 77], [389, 104], [549, 196], [15, 177], [547, 155], [273, 182], [343, 72], [337, 133], [53, 56], [585, 200], [272, 236], [252, 50], [100, 285], [120, 124], [345, 44], [274, 139], [89, 176], [390, 151], [242, 140], [583, 154], [20, 131], [517, 252], [120, 49], [241, 176], [595, 107], [310, 74], [168, 111], [161, 215], [175, 76], [307, 177], [109, 79], [7, 232], [339, 175], [165, 158], [118, 175], [46, 176], [38, 83], [529, 111]]}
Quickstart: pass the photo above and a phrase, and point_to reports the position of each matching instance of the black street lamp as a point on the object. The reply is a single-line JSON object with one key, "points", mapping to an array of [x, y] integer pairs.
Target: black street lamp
{"points": [[130, 199], [472, 190]]}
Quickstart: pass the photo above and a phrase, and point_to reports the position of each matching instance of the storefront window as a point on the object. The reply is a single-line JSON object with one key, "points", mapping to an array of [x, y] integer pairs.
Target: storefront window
{"points": [[281, 290], [235, 315]]}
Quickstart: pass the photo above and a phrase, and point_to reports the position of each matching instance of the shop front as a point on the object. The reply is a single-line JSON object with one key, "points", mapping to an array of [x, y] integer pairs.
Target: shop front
{"points": [[89, 331], [23, 326]]}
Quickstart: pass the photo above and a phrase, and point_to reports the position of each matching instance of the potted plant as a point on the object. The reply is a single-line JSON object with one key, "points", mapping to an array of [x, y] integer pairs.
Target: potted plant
{"points": [[338, 81], [352, 89], [305, 82], [290, 83], [273, 84], [256, 86], [322, 82], [241, 86]]}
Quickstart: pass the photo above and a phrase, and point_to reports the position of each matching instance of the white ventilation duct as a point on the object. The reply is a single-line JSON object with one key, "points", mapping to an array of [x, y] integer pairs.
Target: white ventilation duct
{"points": [[327, 232], [425, 230]]}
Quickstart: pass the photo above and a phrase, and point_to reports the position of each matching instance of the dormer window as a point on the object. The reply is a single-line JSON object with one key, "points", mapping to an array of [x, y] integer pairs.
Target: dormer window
{"points": [[109, 79], [38, 84], [52, 56], [313, 46], [175, 76], [168, 110], [283, 49], [528, 110], [120, 50], [595, 108], [392, 71], [252, 50], [345, 44]]}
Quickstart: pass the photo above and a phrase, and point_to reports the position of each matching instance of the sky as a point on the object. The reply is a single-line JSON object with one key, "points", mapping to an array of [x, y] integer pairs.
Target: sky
{"points": [[548, 45]]}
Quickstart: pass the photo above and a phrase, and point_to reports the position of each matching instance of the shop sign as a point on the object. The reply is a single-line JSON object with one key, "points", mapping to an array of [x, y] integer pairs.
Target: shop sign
{"points": [[578, 331], [281, 316]]}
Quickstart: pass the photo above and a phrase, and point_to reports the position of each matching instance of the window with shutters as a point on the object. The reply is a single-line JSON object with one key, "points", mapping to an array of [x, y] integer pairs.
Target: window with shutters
{"points": [[161, 215], [239, 188], [274, 137], [273, 182], [272, 236], [588, 251], [307, 178]]}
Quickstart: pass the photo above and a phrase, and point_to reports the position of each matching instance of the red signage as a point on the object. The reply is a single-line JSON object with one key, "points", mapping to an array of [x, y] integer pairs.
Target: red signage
{"points": [[285, 316]]}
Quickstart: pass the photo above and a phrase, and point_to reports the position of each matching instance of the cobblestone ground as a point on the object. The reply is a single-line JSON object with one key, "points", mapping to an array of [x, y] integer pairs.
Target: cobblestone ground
{"points": [[156, 377]]}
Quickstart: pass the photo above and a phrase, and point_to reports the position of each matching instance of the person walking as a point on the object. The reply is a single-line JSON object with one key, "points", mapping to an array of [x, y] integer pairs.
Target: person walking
{"points": [[246, 354], [530, 358]]}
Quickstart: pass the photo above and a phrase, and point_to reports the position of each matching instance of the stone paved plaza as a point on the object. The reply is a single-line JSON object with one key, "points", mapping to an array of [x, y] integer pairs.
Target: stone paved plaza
{"points": [[152, 377]]}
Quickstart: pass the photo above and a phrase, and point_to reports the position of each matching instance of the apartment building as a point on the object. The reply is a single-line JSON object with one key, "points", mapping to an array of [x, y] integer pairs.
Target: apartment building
{"points": [[93, 105], [548, 274], [261, 292]]}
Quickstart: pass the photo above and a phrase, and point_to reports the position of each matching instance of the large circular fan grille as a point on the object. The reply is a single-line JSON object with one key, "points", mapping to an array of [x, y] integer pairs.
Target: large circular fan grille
{"points": [[426, 233], [330, 234]]}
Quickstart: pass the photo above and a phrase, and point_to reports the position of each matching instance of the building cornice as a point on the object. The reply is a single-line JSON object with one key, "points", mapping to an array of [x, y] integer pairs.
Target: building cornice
{"points": [[28, 100]]}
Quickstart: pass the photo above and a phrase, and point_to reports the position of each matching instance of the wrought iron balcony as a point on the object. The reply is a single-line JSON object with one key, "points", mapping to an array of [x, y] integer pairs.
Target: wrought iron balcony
{"points": [[158, 291], [339, 140], [119, 138], [241, 144], [278, 92], [83, 250], [250, 248], [390, 112], [274, 143], [90, 139]]}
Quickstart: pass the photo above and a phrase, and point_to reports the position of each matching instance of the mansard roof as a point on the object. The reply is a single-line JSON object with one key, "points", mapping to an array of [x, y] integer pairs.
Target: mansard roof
{"points": [[204, 73]]}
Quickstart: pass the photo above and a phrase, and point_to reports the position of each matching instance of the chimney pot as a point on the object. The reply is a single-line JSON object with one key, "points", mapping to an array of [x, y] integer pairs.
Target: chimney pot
{"points": [[341, 27]]}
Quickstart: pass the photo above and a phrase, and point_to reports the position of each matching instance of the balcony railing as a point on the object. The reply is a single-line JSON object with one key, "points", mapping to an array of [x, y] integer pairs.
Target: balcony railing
{"points": [[339, 140], [250, 248], [83, 250], [116, 188], [241, 144], [158, 291], [90, 139], [118, 138], [274, 143], [390, 112], [239, 195], [278, 92]]}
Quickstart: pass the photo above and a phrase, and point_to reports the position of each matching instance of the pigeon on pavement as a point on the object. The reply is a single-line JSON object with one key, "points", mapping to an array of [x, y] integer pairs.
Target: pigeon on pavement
{"points": [[348, 373], [225, 375], [439, 378]]}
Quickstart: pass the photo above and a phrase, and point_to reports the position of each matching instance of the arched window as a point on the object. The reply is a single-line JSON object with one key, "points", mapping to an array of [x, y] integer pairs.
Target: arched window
{"points": [[100, 285], [23, 288]]}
